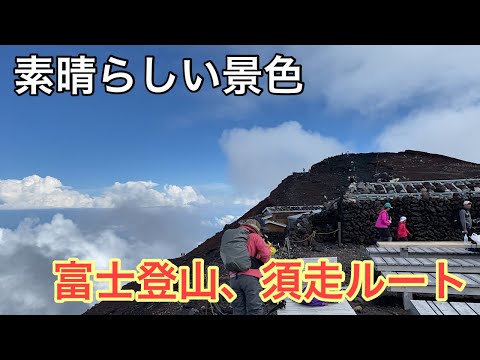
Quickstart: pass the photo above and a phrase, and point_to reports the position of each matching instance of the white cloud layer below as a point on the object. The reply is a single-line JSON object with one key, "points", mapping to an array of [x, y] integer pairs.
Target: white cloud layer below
{"points": [[48, 192]]}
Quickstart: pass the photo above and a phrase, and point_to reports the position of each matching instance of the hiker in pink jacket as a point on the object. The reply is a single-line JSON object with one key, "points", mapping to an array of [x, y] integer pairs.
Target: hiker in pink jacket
{"points": [[383, 223], [246, 284]]}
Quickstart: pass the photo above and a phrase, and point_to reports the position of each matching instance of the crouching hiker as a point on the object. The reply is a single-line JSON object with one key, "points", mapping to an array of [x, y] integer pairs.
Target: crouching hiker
{"points": [[243, 252]]}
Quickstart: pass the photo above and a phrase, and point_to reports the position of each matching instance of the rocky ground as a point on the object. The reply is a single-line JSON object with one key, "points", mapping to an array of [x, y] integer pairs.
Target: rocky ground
{"points": [[386, 304]]}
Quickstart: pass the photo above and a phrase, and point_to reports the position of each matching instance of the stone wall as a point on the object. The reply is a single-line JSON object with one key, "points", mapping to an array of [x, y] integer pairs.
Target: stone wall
{"points": [[428, 219]]}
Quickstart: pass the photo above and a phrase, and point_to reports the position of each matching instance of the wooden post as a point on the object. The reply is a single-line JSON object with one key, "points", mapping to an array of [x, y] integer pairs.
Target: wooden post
{"points": [[407, 300], [339, 227]]}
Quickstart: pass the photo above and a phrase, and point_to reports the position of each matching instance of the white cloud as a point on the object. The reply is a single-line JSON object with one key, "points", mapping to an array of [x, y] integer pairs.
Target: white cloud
{"points": [[219, 223], [26, 256], [246, 201], [37, 192], [260, 158], [377, 77], [142, 193], [130, 234], [450, 132], [435, 88]]}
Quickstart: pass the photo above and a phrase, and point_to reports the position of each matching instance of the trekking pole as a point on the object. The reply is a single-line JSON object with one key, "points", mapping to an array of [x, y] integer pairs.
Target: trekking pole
{"points": [[287, 243]]}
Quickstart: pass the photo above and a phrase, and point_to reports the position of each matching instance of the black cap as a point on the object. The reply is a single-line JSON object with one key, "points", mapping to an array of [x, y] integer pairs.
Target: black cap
{"points": [[263, 226]]}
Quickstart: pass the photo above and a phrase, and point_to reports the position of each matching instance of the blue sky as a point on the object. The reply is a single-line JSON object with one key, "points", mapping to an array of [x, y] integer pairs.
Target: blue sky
{"points": [[153, 160], [166, 138]]}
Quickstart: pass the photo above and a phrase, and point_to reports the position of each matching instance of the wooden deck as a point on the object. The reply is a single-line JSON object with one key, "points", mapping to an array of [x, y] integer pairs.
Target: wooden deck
{"points": [[422, 252], [293, 308], [430, 244], [472, 287], [425, 265], [405, 258], [425, 307]]}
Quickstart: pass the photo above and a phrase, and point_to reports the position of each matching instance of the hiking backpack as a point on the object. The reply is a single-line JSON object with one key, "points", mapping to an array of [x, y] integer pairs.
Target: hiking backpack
{"points": [[234, 252]]}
